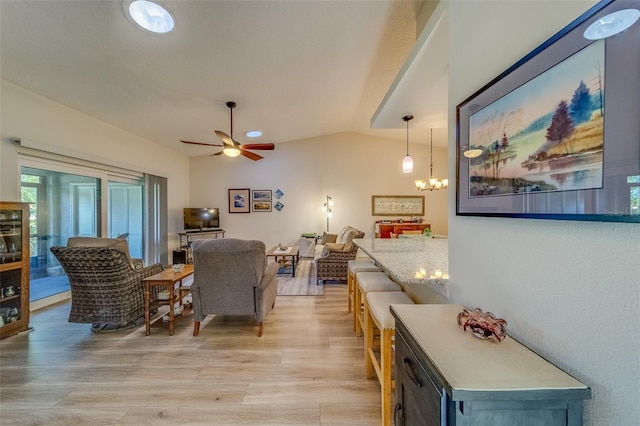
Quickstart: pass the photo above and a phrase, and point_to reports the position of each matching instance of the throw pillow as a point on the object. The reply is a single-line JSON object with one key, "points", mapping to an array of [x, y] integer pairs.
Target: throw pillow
{"points": [[100, 242], [348, 235], [328, 238]]}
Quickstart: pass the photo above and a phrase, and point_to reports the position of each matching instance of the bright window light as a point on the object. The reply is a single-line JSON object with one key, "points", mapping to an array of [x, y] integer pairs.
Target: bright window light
{"points": [[253, 134], [150, 16]]}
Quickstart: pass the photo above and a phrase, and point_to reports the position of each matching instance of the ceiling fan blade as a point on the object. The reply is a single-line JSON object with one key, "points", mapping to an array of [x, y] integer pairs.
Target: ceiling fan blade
{"points": [[225, 138], [200, 143], [217, 153], [250, 155], [260, 146]]}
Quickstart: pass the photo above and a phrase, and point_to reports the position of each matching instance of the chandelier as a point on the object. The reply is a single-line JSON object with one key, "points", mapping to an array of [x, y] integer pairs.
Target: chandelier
{"points": [[433, 184]]}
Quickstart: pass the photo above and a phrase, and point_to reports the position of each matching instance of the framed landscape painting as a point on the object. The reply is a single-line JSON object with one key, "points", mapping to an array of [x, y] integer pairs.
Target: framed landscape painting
{"points": [[553, 136], [397, 205], [261, 206]]}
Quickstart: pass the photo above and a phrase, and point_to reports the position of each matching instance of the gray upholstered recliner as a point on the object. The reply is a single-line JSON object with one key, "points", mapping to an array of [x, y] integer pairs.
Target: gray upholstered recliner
{"points": [[106, 284], [232, 277]]}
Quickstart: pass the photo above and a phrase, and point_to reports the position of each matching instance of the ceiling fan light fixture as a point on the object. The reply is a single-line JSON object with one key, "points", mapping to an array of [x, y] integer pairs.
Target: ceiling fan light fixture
{"points": [[231, 151], [253, 134], [150, 16]]}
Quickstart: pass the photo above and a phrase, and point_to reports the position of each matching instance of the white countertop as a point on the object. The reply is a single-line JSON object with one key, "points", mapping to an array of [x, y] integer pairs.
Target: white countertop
{"points": [[472, 364], [410, 260]]}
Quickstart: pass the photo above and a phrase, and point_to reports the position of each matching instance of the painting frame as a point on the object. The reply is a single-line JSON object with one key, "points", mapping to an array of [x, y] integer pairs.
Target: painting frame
{"points": [[397, 205], [616, 197], [261, 206], [261, 195], [239, 201]]}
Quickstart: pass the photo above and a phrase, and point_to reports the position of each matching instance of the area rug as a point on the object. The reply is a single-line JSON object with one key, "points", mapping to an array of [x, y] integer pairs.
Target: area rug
{"points": [[303, 284]]}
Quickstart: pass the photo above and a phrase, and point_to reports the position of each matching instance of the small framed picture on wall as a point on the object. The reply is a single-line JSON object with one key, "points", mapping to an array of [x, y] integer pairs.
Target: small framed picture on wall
{"points": [[261, 195], [261, 206]]}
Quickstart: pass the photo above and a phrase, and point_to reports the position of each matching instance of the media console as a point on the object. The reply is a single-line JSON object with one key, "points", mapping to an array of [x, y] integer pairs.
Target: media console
{"points": [[187, 237]]}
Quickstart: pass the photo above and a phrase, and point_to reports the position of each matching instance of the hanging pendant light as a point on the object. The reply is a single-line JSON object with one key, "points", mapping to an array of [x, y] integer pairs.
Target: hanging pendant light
{"points": [[433, 184], [407, 161]]}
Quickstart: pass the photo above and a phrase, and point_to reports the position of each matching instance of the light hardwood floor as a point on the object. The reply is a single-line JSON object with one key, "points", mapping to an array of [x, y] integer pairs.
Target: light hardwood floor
{"points": [[307, 369]]}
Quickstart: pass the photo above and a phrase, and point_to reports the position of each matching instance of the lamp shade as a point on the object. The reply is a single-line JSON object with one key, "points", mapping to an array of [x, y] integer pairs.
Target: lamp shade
{"points": [[407, 164]]}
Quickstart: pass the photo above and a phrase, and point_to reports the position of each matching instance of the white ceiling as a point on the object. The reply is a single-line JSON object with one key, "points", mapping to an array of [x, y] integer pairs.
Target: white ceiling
{"points": [[297, 69]]}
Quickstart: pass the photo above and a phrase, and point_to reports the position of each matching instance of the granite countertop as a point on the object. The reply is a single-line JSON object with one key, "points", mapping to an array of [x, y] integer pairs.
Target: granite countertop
{"points": [[410, 260]]}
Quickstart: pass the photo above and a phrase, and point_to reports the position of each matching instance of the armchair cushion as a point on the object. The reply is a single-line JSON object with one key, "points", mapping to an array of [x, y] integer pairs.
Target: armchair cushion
{"points": [[331, 247], [106, 242]]}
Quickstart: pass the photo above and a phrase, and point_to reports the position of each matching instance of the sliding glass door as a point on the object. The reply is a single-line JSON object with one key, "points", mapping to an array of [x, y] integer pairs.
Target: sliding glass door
{"points": [[65, 205], [89, 200]]}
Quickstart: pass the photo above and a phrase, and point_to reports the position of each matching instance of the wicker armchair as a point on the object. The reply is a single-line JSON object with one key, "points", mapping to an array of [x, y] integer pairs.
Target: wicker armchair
{"points": [[106, 290], [331, 259]]}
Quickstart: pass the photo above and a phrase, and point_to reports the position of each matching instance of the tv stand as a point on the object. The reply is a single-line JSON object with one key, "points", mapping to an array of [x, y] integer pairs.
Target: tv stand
{"points": [[188, 236]]}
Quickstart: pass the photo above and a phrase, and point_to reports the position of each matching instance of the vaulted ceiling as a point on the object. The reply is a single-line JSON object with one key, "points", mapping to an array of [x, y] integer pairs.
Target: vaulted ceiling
{"points": [[297, 69]]}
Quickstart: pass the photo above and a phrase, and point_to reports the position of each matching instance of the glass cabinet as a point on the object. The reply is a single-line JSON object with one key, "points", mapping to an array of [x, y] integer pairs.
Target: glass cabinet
{"points": [[14, 268]]}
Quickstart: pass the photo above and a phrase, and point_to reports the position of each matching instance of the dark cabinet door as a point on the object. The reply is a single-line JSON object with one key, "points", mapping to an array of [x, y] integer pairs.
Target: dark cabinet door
{"points": [[419, 398]]}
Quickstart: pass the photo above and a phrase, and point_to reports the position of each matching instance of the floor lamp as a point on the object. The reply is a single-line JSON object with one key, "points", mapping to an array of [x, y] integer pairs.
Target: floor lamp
{"points": [[327, 207]]}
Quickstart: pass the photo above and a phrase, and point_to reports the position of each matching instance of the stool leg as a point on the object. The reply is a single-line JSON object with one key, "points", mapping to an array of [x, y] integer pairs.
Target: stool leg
{"points": [[385, 370], [368, 342], [357, 308], [349, 291]]}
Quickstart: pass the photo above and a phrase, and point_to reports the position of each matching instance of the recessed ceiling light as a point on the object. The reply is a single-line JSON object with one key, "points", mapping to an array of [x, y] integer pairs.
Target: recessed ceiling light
{"points": [[253, 134], [150, 16], [611, 24]]}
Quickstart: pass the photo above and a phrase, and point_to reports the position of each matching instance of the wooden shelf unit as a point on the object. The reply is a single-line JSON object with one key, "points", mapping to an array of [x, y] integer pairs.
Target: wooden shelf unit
{"points": [[14, 268]]}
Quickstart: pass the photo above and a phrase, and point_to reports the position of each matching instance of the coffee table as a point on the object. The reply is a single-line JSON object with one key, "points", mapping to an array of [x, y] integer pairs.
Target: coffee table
{"points": [[167, 280], [281, 256]]}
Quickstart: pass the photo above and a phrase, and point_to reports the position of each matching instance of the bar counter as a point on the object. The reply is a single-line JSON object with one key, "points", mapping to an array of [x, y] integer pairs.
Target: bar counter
{"points": [[410, 260]]}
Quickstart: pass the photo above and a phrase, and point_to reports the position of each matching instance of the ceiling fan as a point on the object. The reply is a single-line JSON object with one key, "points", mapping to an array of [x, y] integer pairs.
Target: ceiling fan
{"points": [[233, 148]]}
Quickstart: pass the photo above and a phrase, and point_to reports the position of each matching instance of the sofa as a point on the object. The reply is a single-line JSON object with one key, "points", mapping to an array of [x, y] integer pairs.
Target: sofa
{"points": [[333, 254]]}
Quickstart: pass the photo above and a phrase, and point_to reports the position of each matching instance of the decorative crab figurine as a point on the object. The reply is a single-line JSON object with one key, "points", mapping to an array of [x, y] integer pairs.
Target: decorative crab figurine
{"points": [[482, 324]]}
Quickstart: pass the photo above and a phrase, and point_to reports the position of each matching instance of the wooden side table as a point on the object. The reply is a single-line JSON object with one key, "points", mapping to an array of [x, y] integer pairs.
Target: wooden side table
{"points": [[166, 279], [290, 253]]}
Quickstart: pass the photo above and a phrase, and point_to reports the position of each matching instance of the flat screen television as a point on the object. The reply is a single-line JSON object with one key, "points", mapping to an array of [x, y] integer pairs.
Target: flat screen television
{"points": [[204, 218]]}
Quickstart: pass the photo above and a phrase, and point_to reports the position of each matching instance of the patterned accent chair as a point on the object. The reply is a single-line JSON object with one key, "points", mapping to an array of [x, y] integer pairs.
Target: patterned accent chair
{"points": [[232, 277], [106, 284], [334, 253]]}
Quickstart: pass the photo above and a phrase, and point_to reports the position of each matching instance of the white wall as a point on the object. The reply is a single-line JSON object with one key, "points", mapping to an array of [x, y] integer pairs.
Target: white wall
{"points": [[569, 290], [347, 166], [27, 115]]}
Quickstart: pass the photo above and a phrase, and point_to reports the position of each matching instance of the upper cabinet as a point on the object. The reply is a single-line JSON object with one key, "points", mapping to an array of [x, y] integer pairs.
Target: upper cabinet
{"points": [[14, 268]]}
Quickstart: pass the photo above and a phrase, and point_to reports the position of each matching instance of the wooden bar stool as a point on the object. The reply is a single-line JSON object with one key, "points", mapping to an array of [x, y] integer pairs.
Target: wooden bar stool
{"points": [[356, 266], [378, 317], [368, 282]]}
